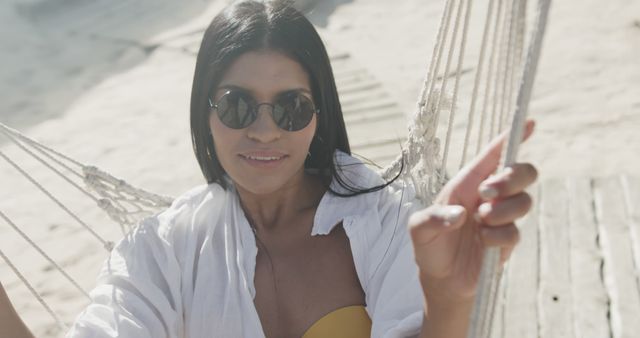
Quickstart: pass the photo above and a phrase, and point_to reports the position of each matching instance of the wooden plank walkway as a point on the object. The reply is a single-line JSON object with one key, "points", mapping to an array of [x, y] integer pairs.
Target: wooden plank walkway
{"points": [[576, 272], [375, 124]]}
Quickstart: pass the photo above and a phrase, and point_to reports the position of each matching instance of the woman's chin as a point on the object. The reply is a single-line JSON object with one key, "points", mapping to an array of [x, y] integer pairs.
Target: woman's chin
{"points": [[261, 186]]}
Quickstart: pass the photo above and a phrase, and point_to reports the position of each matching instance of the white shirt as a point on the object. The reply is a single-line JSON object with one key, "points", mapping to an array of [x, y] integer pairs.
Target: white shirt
{"points": [[188, 272]]}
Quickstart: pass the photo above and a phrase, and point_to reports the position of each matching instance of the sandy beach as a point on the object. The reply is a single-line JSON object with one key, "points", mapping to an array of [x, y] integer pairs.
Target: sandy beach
{"points": [[109, 85]]}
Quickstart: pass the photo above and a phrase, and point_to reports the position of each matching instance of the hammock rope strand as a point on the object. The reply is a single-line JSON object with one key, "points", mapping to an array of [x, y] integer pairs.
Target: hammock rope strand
{"points": [[476, 84], [33, 291], [490, 273], [490, 73], [106, 244], [456, 86], [43, 254]]}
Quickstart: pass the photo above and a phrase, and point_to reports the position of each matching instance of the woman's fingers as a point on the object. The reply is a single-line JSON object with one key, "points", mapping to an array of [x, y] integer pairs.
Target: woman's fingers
{"points": [[488, 160], [503, 211], [505, 237], [425, 225], [510, 181], [465, 183]]}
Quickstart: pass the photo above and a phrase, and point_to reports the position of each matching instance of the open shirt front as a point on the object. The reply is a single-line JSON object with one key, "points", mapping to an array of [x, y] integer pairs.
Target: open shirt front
{"points": [[188, 271]]}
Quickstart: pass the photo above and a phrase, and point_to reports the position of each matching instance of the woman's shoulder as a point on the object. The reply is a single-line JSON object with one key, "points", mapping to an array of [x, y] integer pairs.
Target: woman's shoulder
{"points": [[197, 195]]}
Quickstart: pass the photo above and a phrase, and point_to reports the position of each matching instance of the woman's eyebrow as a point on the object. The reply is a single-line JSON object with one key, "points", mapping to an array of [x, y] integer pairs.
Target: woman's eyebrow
{"points": [[232, 87], [304, 90], [238, 88]]}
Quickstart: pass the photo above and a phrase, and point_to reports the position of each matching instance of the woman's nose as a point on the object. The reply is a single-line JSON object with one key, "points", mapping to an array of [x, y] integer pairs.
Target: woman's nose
{"points": [[264, 129]]}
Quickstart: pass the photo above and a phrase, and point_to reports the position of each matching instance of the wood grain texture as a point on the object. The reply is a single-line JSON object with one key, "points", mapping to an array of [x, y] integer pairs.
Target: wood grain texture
{"points": [[554, 295], [615, 238], [520, 316], [631, 190], [590, 301]]}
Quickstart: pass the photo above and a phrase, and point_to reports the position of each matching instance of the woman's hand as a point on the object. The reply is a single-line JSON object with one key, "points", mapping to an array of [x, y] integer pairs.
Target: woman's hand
{"points": [[473, 211]]}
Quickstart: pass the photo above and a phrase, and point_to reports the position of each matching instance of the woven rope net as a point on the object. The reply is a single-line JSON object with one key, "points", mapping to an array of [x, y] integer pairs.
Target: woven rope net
{"points": [[483, 67], [124, 204]]}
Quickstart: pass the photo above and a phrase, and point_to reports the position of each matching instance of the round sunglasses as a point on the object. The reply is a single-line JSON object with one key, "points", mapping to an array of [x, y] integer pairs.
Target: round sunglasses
{"points": [[291, 111]]}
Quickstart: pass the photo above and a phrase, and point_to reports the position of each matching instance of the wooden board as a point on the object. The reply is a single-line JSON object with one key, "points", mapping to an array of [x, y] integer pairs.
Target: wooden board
{"points": [[619, 278], [375, 115], [376, 125], [365, 106], [554, 295], [520, 314], [631, 191], [590, 301]]}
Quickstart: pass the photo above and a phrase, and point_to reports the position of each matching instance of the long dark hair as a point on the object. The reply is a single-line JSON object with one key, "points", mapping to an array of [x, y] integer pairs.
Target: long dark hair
{"points": [[249, 26]]}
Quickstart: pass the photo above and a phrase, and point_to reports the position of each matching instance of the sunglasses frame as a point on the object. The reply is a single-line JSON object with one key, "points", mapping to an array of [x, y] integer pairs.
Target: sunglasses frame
{"points": [[256, 108]]}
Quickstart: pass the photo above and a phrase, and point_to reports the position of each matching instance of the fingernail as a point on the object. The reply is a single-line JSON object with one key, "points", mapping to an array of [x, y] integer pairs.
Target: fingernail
{"points": [[483, 209], [506, 171], [488, 192], [452, 214]]}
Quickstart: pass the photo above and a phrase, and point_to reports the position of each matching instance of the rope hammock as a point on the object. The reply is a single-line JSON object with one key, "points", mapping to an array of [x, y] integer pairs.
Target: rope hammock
{"points": [[123, 203], [498, 98]]}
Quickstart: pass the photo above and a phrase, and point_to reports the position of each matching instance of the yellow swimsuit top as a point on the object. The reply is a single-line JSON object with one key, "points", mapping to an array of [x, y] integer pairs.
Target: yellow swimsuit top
{"points": [[346, 322]]}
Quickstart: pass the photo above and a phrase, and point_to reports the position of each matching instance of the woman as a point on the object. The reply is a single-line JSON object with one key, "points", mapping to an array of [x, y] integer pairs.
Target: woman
{"points": [[293, 237]]}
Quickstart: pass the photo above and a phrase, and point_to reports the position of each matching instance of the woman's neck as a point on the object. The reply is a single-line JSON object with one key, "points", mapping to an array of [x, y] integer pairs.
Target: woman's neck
{"points": [[274, 211]]}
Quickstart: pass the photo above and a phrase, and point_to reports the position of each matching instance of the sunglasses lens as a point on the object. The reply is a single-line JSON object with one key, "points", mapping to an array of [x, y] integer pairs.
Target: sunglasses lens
{"points": [[293, 111], [235, 110]]}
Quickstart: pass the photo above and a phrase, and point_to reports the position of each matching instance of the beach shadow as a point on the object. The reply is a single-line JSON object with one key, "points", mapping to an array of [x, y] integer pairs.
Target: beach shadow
{"points": [[55, 51], [319, 11]]}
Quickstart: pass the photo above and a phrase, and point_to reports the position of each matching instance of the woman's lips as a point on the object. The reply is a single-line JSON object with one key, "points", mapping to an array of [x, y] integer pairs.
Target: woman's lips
{"points": [[263, 159]]}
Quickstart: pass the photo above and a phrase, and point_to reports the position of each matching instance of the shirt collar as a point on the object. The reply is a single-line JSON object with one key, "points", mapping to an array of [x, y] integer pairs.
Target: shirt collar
{"points": [[334, 209]]}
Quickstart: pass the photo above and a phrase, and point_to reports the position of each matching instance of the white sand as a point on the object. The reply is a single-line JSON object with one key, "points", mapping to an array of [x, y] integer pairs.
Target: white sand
{"points": [[83, 85]]}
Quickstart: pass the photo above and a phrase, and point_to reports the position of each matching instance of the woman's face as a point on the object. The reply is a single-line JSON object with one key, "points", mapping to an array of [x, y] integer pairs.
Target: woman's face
{"points": [[262, 157]]}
